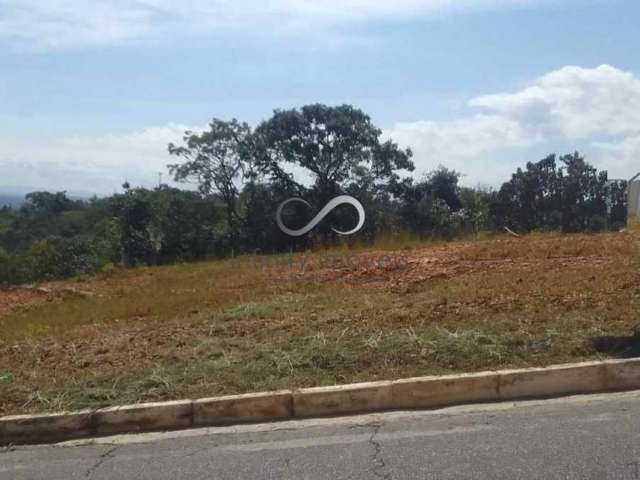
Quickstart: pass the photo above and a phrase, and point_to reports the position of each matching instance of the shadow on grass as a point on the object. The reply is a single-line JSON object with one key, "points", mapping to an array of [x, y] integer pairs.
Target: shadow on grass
{"points": [[621, 347]]}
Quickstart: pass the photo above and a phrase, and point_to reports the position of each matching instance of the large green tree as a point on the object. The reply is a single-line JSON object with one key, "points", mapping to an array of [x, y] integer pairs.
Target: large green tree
{"points": [[217, 160], [335, 146], [559, 193]]}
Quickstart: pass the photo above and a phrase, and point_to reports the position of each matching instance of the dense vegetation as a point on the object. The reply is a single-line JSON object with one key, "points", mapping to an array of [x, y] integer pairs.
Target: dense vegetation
{"points": [[242, 175]]}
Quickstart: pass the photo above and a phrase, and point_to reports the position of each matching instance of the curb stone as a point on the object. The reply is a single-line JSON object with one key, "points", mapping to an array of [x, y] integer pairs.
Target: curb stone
{"points": [[22, 429], [432, 392], [248, 408], [143, 417], [342, 399], [411, 393]]}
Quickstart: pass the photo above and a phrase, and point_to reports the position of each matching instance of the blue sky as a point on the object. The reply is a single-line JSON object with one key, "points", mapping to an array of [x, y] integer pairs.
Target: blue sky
{"points": [[91, 93]]}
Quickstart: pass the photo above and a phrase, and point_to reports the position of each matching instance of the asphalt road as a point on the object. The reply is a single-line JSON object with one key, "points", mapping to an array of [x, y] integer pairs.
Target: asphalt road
{"points": [[592, 437]]}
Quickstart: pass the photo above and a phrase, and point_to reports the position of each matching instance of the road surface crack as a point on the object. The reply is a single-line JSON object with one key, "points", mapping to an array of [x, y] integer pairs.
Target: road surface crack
{"points": [[101, 459], [379, 465]]}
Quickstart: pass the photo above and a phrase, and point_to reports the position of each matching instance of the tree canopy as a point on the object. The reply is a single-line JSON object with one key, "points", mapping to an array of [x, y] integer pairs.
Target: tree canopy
{"points": [[335, 146], [241, 174], [565, 193]]}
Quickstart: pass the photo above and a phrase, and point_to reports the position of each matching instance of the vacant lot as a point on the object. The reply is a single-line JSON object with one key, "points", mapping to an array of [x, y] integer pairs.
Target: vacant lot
{"points": [[260, 323]]}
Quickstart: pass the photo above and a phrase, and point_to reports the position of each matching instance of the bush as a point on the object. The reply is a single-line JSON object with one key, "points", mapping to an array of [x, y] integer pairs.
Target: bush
{"points": [[61, 258], [597, 223], [4, 266], [11, 268]]}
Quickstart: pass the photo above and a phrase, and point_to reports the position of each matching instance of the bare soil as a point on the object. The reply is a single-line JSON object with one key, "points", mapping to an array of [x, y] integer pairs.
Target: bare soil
{"points": [[318, 319]]}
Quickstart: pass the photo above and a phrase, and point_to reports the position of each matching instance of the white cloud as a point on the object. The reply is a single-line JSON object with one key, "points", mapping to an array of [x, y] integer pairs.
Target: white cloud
{"points": [[465, 137], [575, 102], [97, 164], [71, 23], [80, 23], [623, 157], [593, 110], [88, 165]]}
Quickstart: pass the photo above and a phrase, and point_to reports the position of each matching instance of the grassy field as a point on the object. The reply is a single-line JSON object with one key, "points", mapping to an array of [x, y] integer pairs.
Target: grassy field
{"points": [[261, 323]]}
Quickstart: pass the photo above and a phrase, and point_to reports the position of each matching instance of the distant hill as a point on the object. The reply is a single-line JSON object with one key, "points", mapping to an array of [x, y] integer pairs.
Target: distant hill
{"points": [[11, 200], [16, 199]]}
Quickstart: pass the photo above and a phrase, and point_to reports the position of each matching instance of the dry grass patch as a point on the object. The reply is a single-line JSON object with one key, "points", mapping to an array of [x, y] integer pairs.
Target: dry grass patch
{"points": [[244, 325]]}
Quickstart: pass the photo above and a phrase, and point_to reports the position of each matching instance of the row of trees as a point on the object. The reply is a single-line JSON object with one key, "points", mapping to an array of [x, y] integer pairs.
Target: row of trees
{"points": [[337, 149], [564, 194], [241, 174]]}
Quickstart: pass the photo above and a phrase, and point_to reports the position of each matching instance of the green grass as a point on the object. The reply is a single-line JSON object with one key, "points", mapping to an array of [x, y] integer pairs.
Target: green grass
{"points": [[160, 293]]}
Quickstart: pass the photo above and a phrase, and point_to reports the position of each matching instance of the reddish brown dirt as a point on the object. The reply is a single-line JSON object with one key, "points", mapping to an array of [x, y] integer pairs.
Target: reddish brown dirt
{"points": [[14, 298], [385, 270], [526, 283], [400, 271]]}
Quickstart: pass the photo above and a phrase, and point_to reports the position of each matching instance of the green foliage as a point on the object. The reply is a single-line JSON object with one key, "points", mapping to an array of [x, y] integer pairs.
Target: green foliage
{"points": [[61, 258], [573, 197], [217, 160], [5, 266], [337, 146], [439, 207], [135, 216], [258, 202], [475, 205], [243, 174], [50, 203], [52, 236], [166, 225]]}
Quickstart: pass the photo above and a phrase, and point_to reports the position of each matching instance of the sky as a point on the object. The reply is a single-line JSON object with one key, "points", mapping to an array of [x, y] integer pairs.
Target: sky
{"points": [[91, 92]]}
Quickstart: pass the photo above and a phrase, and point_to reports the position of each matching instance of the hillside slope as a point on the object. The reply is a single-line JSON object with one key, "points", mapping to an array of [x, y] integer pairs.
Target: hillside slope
{"points": [[257, 323]]}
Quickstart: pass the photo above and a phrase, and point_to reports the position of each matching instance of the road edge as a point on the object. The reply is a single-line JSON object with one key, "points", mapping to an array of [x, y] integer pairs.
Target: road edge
{"points": [[404, 394]]}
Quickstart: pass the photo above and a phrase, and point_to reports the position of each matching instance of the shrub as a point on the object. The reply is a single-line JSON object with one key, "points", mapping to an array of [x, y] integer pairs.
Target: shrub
{"points": [[597, 223], [61, 258], [4, 267]]}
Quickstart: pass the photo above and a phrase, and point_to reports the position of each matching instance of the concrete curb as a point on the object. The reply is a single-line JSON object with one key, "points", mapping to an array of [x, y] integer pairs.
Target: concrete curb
{"points": [[411, 393]]}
